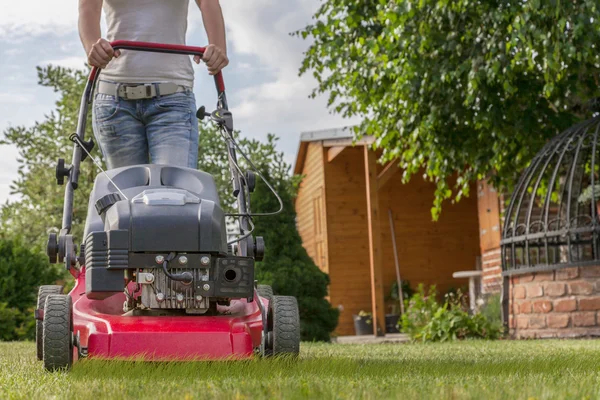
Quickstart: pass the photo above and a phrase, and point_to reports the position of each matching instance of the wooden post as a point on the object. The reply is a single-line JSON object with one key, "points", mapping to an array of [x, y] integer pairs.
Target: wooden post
{"points": [[377, 298]]}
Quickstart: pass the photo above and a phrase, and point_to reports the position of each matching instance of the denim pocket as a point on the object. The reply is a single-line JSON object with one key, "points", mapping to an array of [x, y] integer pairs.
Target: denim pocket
{"points": [[173, 102], [105, 107]]}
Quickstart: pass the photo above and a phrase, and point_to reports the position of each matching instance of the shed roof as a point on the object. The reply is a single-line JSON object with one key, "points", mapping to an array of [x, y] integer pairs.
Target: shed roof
{"points": [[333, 137]]}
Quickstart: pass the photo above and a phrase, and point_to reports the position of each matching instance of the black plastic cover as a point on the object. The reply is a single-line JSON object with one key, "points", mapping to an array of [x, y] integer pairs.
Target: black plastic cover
{"points": [[106, 202]]}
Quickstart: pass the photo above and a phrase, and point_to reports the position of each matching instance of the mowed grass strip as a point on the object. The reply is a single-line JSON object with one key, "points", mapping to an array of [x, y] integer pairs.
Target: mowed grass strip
{"points": [[476, 369]]}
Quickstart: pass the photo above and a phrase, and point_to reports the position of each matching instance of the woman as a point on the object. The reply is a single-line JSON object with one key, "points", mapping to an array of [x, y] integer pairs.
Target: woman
{"points": [[144, 108]]}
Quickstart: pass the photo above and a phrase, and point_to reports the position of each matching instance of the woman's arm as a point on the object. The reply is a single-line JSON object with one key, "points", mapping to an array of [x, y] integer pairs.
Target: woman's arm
{"points": [[215, 56], [99, 51]]}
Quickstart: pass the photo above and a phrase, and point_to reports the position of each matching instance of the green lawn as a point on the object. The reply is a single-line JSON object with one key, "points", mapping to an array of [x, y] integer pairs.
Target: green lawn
{"points": [[481, 370]]}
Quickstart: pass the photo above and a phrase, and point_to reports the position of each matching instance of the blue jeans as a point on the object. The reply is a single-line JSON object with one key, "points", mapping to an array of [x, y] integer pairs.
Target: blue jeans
{"points": [[161, 130]]}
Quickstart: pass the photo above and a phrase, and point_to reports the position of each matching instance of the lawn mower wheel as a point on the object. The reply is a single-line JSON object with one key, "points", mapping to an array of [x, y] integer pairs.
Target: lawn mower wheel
{"points": [[284, 327], [58, 332], [265, 291], [43, 292]]}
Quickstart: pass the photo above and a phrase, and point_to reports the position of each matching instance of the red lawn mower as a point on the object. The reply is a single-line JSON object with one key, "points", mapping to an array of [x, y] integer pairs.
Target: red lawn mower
{"points": [[155, 275]]}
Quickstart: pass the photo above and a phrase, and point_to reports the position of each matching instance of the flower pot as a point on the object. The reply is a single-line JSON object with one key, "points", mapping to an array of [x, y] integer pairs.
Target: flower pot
{"points": [[363, 325], [391, 323]]}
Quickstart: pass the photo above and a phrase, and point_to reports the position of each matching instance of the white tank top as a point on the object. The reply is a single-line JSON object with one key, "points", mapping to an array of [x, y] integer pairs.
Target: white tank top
{"points": [[160, 21]]}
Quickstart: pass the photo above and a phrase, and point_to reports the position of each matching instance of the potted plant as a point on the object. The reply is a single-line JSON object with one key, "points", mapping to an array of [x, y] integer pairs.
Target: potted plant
{"points": [[363, 323], [391, 319]]}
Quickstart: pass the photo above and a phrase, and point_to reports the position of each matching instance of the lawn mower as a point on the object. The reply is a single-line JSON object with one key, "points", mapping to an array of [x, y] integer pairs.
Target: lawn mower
{"points": [[155, 275]]}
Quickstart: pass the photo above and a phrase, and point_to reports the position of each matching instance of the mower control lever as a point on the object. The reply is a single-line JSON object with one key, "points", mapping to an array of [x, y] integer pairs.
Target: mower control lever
{"points": [[201, 113], [62, 171]]}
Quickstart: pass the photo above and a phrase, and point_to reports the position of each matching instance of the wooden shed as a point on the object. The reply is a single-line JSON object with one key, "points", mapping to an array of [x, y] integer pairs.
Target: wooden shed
{"points": [[342, 209]]}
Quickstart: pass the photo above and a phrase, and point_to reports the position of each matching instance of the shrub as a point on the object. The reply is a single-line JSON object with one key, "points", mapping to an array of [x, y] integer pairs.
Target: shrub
{"points": [[288, 268], [419, 310], [22, 271], [426, 320]]}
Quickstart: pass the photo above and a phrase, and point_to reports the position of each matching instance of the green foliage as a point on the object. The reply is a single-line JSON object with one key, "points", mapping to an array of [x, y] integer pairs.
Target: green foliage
{"points": [[419, 310], [457, 90], [22, 271], [492, 311], [286, 267], [39, 208], [428, 321], [407, 293]]}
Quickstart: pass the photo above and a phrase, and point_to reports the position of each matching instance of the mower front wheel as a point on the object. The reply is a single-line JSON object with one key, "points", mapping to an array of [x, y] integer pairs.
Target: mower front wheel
{"points": [[58, 332], [43, 292], [283, 337], [265, 291]]}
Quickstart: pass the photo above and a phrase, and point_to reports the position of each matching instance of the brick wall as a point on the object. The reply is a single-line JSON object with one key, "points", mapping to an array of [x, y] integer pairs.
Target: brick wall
{"points": [[562, 303], [492, 271]]}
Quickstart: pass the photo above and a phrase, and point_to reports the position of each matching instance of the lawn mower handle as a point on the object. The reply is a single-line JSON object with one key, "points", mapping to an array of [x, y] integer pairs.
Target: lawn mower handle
{"points": [[88, 97], [170, 49]]}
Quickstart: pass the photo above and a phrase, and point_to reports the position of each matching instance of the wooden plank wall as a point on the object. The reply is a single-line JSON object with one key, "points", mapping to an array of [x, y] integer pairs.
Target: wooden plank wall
{"points": [[429, 252], [310, 206], [348, 241]]}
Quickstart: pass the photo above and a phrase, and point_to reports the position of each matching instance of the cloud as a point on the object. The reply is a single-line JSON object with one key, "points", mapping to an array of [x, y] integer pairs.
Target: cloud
{"points": [[264, 89], [67, 62], [22, 18]]}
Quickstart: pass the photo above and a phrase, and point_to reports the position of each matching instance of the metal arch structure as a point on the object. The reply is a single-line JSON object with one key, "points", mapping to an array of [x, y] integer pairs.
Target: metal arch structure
{"points": [[552, 219]]}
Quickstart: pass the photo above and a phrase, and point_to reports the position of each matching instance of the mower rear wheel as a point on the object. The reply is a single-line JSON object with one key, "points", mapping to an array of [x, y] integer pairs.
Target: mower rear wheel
{"points": [[265, 291], [58, 332], [43, 292], [284, 326]]}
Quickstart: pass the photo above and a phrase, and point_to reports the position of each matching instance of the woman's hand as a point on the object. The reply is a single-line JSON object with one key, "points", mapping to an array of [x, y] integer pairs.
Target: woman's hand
{"points": [[215, 59], [101, 53]]}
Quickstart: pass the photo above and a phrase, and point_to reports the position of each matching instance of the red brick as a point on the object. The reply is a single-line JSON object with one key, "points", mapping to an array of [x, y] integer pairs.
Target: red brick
{"points": [[544, 276], [590, 272], [565, 305], [535, 290], [589, 304], [567, 273], [581, 287], [519, 292], [525, 307], [537, 322], [525, 278], [542, 306], [512, 322], [584, 319], [522, 322], [558, 321], [555, 289]]}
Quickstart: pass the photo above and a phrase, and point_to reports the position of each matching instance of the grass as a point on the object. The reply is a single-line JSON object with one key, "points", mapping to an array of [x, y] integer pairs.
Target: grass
{"points": [[470, 370]]}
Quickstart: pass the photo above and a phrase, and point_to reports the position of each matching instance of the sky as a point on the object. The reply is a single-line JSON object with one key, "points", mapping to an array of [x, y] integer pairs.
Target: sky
{"points": [[264, 91]]}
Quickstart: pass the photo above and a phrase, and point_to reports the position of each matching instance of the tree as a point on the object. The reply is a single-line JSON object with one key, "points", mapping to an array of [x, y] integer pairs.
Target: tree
{"points": [[466, 89], [286, 266], [40, 206], [22, 270]]}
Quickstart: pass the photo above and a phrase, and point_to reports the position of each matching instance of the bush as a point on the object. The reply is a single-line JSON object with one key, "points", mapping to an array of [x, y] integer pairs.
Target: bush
{"points": [[22, 271], [288, 268], [426, 320]]}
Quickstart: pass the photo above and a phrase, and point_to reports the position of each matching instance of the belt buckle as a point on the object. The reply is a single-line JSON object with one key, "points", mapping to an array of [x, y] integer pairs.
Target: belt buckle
{"points": [[138, 92]]}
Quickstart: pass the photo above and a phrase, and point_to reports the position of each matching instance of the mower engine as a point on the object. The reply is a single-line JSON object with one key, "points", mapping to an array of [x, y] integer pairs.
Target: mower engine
{"points": [[161, 292], [162, 240]]}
